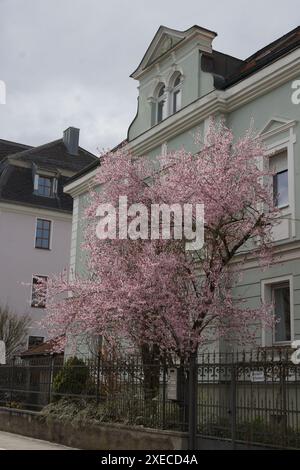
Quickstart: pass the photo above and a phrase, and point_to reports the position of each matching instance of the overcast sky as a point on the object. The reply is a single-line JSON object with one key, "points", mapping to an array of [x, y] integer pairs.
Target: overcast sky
{"points": [[67, 62]]}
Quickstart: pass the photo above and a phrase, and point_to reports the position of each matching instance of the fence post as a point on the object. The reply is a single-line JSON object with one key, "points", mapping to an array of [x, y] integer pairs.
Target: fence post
{"points": [[192, 401], [164, 392], [284, 414], [11, 385], [98, 377], [51, 375], [233, 406]]}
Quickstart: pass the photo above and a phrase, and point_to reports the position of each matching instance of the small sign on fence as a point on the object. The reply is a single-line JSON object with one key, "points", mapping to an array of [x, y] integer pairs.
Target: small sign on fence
{"points": [[257, 376]]}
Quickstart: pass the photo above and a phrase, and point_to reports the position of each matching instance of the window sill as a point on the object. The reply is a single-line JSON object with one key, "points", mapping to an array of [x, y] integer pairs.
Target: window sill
{"points": [[286, 206], [43, 249], [45, 197]]}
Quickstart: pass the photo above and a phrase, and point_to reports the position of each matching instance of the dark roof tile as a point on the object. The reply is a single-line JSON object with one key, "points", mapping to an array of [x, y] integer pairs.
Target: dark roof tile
{"points": [[7, 148], [55, 155]]}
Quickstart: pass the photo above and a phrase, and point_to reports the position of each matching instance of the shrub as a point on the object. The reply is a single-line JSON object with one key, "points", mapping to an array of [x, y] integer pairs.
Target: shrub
{"points": [[73, 379]]}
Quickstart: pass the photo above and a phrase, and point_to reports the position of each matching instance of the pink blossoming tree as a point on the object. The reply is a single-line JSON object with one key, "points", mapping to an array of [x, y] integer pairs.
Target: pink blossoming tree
{"points": [[155, 294]]}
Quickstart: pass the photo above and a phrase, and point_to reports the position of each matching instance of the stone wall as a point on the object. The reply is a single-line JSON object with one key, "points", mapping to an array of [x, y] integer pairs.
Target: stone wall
{"points": [[89, 437]]}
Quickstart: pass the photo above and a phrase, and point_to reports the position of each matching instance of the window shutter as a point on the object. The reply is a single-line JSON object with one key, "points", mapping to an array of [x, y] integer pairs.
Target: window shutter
{"points": [[55, 182], [36, 182]]}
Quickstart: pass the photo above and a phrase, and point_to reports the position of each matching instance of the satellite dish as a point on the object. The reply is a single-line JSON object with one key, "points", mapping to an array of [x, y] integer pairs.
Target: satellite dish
{"points": [[2, 353]]}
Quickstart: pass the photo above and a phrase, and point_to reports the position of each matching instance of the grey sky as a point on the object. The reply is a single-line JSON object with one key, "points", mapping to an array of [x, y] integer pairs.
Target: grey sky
{"points": [[67, 62]]}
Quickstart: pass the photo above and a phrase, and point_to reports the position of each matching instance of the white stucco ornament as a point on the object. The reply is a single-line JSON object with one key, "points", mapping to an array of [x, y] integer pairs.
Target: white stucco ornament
{"points": [[2, 352], [295, 358]]}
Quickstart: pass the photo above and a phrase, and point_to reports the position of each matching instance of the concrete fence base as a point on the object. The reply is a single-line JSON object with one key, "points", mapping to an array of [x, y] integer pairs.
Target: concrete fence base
{"points": [[90, 437], [106, 436]]}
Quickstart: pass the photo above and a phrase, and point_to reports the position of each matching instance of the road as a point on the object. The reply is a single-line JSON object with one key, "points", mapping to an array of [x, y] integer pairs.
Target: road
{"points": [[16, 442]]}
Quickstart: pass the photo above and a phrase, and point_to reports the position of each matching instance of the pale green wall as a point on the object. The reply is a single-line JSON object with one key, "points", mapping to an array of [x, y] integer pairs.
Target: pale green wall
{"points": [[277, 103]]}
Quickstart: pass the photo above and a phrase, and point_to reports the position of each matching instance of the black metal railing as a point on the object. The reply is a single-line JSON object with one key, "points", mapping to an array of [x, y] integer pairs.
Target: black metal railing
{"points": [[251, 397]]}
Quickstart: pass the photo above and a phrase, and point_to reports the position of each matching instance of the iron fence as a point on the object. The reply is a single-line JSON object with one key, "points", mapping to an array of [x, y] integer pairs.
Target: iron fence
{"points": [[249, 397]]}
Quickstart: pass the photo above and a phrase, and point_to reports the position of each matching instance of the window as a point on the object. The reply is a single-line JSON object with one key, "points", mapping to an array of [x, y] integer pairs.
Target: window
{"points": [[282, 311], [39, 291], [35, 341], [176, 94], [279, 165], [281, 189], [161, 104], [42, 234], [45, 186]]}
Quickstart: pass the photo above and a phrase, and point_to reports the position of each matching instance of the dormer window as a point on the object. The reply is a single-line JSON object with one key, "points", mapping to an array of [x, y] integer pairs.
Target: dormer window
{"points": [[161, 104], [176, 93], [45, 186]]}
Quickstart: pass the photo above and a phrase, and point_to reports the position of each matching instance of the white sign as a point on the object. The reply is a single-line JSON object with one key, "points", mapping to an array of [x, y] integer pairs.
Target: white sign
{"points": [[172, 384], [257, 376], [2, 353]]}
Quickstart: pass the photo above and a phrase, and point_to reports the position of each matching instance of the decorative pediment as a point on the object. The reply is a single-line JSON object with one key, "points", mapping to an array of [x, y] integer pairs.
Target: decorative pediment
{"points": [[165, 40], [275, 125], [166, 43]]}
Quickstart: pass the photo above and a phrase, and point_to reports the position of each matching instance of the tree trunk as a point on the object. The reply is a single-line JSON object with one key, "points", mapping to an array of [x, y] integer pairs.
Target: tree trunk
{"points": [[151, 369]]}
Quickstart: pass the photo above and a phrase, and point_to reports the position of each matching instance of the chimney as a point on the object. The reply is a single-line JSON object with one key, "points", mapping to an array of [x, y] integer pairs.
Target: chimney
{"points": [[71, 139]]}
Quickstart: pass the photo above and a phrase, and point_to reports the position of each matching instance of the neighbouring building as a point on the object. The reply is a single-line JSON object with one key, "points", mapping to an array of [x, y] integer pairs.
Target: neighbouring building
{"points": [[182, 82], [35, 220]]}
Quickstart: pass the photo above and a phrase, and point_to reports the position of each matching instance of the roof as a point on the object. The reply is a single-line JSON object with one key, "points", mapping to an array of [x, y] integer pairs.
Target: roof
{"points": [[55, 155], [265, 56], [220, 65], [44, 349], [19, 163], [7, 147]]}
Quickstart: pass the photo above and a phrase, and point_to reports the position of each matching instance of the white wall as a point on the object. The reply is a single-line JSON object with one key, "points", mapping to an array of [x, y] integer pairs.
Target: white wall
{"points": [[19, 259]]}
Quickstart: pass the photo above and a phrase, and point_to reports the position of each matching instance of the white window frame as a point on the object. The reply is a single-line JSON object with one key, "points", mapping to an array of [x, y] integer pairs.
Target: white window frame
{"points": [[174, 90], [54, 185], [158, 100], [278, 171], [287, 143], [266, 295], [51, 232]]}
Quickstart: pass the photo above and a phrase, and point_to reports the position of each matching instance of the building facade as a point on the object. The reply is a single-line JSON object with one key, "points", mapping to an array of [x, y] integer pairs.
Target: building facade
{"points": [[35, 220], [182, 82]]}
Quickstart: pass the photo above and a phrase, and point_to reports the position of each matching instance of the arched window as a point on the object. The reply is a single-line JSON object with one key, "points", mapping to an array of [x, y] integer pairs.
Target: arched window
{"points": [[176, 93], [161, 103]]}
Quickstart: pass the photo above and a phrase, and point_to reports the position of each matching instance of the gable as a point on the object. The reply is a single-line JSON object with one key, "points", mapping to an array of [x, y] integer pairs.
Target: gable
{"points": [[166, 43], [167, 39]]}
